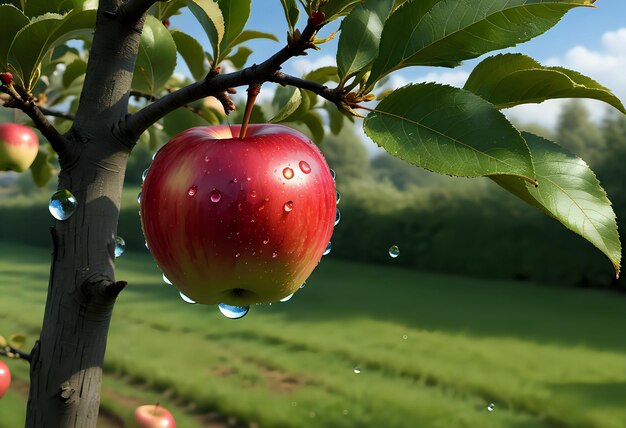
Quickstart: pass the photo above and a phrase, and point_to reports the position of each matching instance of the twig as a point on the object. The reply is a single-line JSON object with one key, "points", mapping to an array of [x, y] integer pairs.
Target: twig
{"points": [[9, 351], [321, 90], [56, 113]]}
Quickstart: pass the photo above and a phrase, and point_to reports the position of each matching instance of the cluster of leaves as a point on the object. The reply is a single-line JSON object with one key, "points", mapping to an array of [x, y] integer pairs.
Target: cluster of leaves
{"points": [[11, 346], [449, 130]]}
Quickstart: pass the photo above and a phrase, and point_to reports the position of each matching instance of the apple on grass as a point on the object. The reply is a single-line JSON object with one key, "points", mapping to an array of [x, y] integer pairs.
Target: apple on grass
{"points": [[18, 147], [152, 416], [238, 220], [5, 378]]}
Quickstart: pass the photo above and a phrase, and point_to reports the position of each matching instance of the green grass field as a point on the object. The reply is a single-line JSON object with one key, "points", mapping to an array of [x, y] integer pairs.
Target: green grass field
{"points": [[434, 351]]}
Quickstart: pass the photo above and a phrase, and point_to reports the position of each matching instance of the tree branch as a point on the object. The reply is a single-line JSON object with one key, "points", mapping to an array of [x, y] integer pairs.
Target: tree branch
{"points": [[132, 10], [217, 84], [319, 89], [9, 351], [56, 113], [60, 144]]}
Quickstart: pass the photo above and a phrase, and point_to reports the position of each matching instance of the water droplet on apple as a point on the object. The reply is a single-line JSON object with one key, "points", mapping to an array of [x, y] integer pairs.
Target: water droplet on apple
{"points": [[305, 167], [266, 241], [286, 299], [192, 190], [288, 173], [62, 204], [146, 242], [237, 255], [186, 299], [216, 196], [491, 407], [333, 174], [166, 280], [337, 217], [338, 197], [288, 206], [233, 312], [120, 246], [275, 254], [357, 370], [139, 198], [327, 250], [155, 155], [394, 251], [303, 284], [253, 193], [143, 175]]}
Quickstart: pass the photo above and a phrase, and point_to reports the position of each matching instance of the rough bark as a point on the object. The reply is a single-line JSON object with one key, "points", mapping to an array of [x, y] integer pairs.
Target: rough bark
{"points": [[66, 365]]}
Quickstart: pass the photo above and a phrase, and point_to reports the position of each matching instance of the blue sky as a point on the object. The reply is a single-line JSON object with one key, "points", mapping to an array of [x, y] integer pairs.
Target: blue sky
{"points": [[590, 40]]}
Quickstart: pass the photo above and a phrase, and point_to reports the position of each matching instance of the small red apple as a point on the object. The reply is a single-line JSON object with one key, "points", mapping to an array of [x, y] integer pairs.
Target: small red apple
{"points": [[6, 78], [152, 416], [238, 221], [18, 147], [5, 378]]}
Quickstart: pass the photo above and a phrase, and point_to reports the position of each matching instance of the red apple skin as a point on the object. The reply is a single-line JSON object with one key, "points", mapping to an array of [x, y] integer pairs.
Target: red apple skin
{"points": [[152, 416], [5, 378], [18, 147], [247, 247]]}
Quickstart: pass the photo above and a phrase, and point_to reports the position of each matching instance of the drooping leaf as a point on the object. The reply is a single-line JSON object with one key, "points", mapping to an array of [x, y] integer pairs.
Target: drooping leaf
{"points": [[246, 35], [17, 340], [240, 57], [165, 9], [210, 17], [313, 121], [335, 118], [360, 36], [156, 60], [13, 20], [76, 68], [291, 13], [192, 52], [446, 32], [570, 192], [336, 8], [449, 131], [42, 169], [236, 14], [323, 75], [292, 102], [33, 41], [508, 80]]}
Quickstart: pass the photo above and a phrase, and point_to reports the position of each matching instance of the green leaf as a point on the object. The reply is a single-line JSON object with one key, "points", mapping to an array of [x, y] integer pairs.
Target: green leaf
{"points": [[292, 102], [291, 13], [569, 191], [236, 14], [360, 36], [16, 341], [76, 68], [336, 8], [445, 32], [3, 342], [210, 17], [180, 120], [156, 60], [192, 52], [323, 75], [246, 35], [165, 9], [335, 118], [449, 131], [240, 57], [13, 20], [42, 169], [43, 33], [508, 80], [314, 122]]}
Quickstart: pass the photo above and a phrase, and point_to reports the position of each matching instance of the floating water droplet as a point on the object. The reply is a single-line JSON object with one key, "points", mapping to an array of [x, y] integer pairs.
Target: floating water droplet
{"points": [[143, 175], [216, 196], [192, 190], [345, 411], [186, 299], [288, 206], [327, 250], [305, 167], [405, 337], [139, 197], [233, 312], [120, 246], [62, 204], [275, 254], [394, 251], [337, 217], [333, 174], [286, 299], [303, 284], [357, 370], [166, 280], [338, 197], [288, 173], [491, 406]]}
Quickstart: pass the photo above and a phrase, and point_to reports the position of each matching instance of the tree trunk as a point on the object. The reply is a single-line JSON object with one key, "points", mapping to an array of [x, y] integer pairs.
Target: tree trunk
{"points": [[66, 362]]}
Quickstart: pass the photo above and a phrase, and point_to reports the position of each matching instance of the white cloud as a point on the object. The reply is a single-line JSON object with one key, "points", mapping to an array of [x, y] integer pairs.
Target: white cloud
{"points": [[302, 66], [605, 65]]}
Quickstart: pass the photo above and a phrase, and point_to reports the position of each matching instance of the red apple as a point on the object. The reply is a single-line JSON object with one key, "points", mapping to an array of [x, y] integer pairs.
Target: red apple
{"points": [[238, 221], [5, 378], [18, 147], [152, 416]]}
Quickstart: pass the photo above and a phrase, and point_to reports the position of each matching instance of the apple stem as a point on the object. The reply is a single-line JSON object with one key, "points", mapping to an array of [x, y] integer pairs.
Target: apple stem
{"points": [[156, 406], [253, 91]]}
